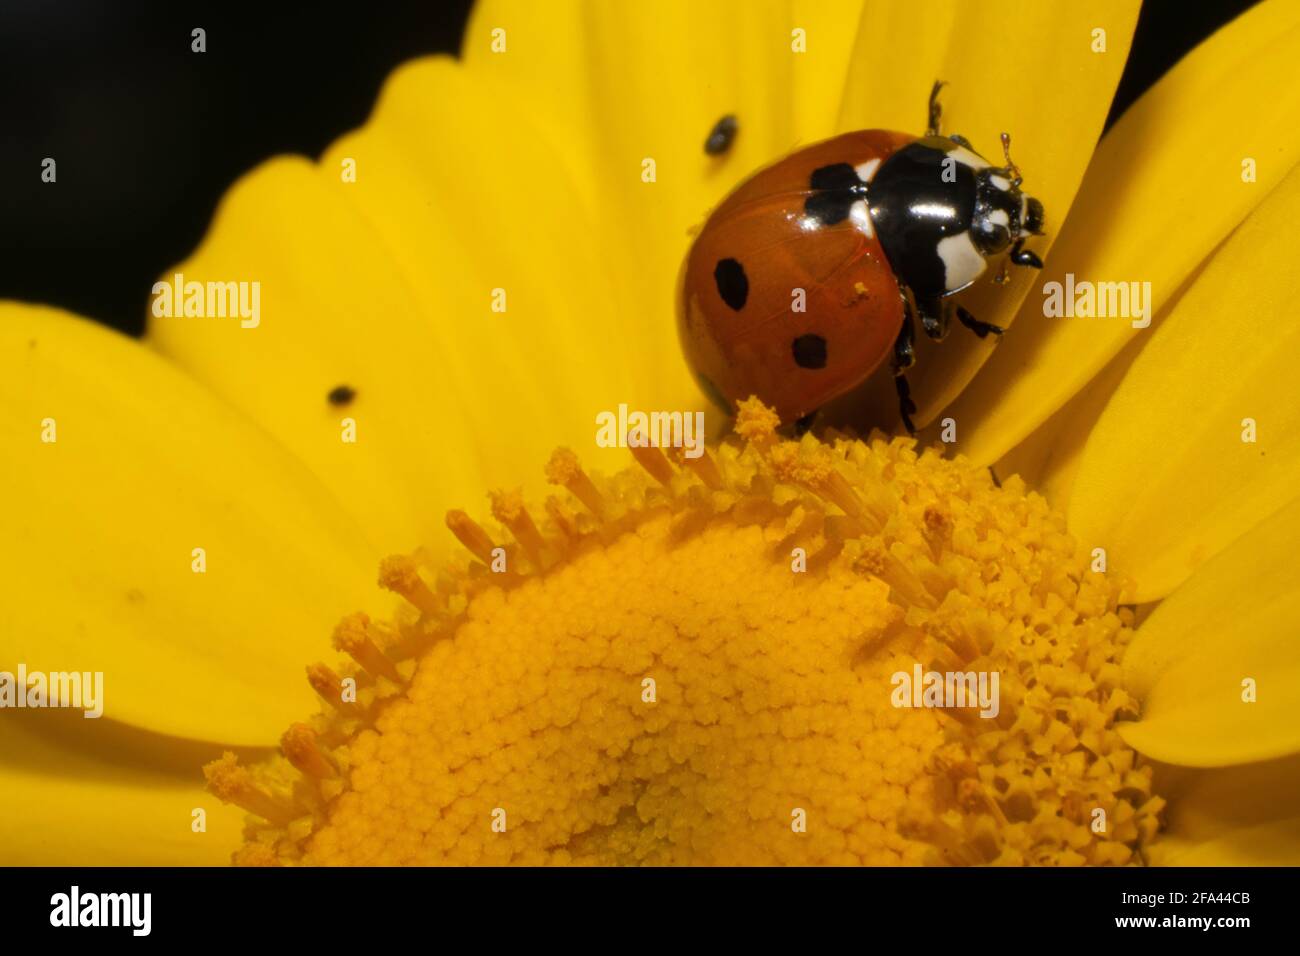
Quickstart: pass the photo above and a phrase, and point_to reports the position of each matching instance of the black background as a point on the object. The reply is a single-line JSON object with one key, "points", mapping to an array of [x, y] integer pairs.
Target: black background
{"points": [[148, 135]]}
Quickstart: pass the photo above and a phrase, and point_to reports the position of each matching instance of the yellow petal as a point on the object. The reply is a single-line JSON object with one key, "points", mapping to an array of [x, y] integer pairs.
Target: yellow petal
{"points": [[822, 78], [1276, 843], [1167, 479], [1049, 459], [100, 528], [1047, 88], [1239, 816], [1225, 635], [465, 197], [334, 311], [617, 86], [1164, 188], [77, 792], [673, 68], [388, 284], [617, 79]]}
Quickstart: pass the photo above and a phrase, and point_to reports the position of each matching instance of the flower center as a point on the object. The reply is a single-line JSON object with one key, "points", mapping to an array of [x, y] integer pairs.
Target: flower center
{"points": [[819, 652]]}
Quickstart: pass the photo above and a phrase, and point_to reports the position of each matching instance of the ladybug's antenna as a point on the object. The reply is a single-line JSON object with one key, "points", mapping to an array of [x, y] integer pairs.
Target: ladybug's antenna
{"points": [[1012, 168], [932, 126]]}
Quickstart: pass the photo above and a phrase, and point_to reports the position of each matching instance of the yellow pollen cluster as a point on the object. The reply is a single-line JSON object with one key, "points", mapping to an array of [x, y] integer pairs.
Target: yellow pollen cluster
{"points": [[700, 662]]}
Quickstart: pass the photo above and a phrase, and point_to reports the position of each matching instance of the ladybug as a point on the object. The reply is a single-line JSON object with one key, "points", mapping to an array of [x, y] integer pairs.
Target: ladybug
{"points": [[812, 271]]}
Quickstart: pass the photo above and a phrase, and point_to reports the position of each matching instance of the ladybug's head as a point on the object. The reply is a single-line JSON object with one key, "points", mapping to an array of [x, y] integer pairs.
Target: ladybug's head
{"points": [[1003, 213]]}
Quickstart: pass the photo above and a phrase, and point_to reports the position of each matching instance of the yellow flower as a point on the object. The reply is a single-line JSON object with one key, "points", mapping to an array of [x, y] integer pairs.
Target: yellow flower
{"points": [[664, 684], [517, 173]]}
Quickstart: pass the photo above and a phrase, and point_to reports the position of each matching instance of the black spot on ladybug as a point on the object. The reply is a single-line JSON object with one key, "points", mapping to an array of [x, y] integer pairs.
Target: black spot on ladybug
{"points": [[721, 136], [341, 395], [733, 285], [835, 189], [835, 176], [809, 351]]}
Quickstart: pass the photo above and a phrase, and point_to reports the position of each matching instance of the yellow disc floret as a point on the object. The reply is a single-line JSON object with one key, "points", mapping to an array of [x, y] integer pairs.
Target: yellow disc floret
{"points": [[819, 651]]}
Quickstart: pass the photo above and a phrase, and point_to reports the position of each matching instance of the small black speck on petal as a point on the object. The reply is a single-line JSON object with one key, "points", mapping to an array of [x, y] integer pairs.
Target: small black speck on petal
{"points": [[341, 395], [721, 136], [809, 351], [733, 285]]}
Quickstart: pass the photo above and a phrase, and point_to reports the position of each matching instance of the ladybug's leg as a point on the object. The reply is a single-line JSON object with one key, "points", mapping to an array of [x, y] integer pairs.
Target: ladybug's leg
{"points": [[982, 329], [906, 407], [1025, 257], [936, 111], [932, 127], [801, 425], [904, 350], [905, 358], [935, 316]]}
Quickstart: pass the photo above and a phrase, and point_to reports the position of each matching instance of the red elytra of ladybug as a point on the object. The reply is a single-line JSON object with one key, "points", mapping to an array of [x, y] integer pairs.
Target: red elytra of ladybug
{"points": [[815, 270]]}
